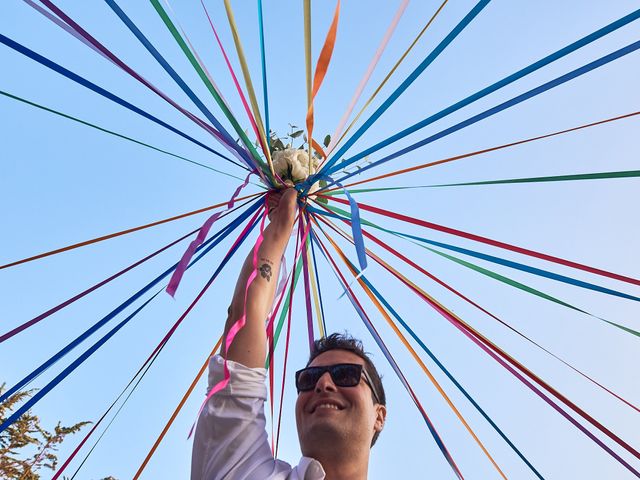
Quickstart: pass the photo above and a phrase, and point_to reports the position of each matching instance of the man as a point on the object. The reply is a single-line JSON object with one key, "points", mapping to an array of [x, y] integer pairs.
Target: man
{"points": [[340, 409]]}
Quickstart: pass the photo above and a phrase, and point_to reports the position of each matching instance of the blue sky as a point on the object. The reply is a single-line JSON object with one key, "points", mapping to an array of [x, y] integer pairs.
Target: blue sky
{"points": [[62, 183]]}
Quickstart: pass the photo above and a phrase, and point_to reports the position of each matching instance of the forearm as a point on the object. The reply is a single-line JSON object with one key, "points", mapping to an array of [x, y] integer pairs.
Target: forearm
{"points": [[249, 345]]}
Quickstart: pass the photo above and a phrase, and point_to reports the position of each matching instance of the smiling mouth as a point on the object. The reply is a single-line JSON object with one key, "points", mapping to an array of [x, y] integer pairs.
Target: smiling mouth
{"points": [[326, 406]]}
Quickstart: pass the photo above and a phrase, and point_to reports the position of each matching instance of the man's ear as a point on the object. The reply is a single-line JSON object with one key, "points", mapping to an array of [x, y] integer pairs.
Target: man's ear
{"points": [[381, 415]]}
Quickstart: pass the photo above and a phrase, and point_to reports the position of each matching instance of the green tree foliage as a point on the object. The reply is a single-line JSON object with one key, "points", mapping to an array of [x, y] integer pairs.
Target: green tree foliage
{"points": [[26, 448]]}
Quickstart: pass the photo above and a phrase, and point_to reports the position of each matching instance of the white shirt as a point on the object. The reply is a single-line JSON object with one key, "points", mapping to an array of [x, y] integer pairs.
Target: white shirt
{"points": [[231, 441]]}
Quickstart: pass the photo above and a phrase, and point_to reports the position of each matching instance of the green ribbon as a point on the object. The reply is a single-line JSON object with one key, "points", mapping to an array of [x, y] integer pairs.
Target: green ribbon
{"points": [[556, 178], [178, 38], [116, 134], [285, 308]]}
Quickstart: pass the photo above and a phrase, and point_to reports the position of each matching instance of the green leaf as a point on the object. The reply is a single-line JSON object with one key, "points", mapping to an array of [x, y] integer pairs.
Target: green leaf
{"points": [[327, 140], [323, 183], [296, 134], [322, 200]]}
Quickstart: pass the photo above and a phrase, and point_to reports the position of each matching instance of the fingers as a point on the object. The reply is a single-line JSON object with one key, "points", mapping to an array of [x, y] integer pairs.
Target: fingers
{"points": [[282, 207]]}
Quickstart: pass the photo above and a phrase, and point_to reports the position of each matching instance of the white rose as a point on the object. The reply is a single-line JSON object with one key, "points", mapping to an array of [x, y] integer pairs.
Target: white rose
{"points": [[293, 164]]}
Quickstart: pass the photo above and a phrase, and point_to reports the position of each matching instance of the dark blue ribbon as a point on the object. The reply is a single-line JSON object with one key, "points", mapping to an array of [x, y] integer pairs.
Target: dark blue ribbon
{"points": [[185, 88], [91, 350], [404, 85]]}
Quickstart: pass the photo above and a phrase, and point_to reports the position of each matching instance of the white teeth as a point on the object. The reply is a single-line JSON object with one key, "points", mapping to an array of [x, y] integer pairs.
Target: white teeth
{"points": [[327, 405]]}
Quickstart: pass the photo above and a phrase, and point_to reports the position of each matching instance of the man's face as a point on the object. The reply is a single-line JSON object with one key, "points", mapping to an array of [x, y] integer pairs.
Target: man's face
{"points": [[329, 412]]}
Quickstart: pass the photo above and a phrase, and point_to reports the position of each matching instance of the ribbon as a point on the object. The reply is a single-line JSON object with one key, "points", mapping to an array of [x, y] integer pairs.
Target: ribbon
{"points": [[287, 310], [96, 45], [252, 120], [202, 234], [503, 106], [195, 53], [260, 132], [314, 287], [68, 302], [232, 250], [358, 308], [361, 280], [367, 75], [185, 49], [176, 411], [471, 302], [263, 63], [392, 71], [145, 366], [495, 243], [307, 289], [448, 374], [497, 85], [111, 132], [77, 362], [491, 349], [555, 178], [239, 324], [327, 168], [117, 234], [487, 150], [493, 259], [227, 139], [209, 244], [99, 90], [321, 67]]}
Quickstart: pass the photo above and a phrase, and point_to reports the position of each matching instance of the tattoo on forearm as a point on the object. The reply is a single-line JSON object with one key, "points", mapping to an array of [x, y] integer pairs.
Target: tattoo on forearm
{"points": [[265, 269]]}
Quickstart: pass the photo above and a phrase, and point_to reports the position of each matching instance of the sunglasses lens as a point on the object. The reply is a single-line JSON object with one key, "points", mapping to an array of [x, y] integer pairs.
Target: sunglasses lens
{"points": [[307, 379], [346, 375], [343, 375]]}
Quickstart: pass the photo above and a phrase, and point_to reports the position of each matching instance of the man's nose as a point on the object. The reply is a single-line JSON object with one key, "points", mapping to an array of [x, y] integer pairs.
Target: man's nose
{"points": [[325, 384]]}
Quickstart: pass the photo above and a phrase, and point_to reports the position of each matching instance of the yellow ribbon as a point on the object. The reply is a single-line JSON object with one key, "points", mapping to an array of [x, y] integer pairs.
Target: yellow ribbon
{"points": [[314, 289], [249, 84]]}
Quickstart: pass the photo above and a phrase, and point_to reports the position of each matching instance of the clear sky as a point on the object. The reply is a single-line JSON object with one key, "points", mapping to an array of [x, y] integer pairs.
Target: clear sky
{"points": [[62, 183]]}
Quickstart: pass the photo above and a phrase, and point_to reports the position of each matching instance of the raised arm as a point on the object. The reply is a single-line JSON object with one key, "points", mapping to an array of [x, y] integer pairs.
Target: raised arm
{"points": [[249, 345]]}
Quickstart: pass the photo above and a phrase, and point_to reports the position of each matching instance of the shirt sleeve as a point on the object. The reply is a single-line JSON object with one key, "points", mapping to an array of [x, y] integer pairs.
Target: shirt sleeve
{"points": [[230, 440]]}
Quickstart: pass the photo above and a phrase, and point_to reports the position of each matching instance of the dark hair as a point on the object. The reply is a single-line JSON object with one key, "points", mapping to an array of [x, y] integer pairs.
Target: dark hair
{"points": [[344, 341]]}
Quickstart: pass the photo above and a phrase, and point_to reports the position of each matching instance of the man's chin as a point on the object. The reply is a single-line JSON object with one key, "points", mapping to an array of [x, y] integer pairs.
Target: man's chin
{"points": [[322, 432]]}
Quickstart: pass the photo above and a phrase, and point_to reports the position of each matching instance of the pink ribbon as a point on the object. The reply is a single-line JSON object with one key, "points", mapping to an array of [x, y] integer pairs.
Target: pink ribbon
{"points": [[239, 324], [202, 234]]}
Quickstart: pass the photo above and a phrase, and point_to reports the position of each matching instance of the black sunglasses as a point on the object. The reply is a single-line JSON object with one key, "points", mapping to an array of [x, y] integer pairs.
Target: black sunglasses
{"points": [[342, 375]]}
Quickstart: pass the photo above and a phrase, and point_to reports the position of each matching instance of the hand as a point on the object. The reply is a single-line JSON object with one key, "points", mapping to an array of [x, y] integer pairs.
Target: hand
{"points": [[282, 205]]}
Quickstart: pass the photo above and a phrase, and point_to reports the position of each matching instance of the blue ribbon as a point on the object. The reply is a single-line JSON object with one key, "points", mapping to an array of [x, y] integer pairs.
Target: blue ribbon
{"points": [[404, 85], [356, 227], [185, 88], [503, 106], [101, 91], [492, 88], [209, 244], [264, 72]]}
